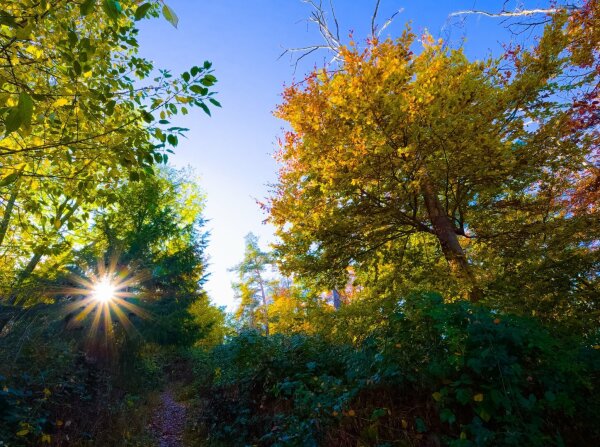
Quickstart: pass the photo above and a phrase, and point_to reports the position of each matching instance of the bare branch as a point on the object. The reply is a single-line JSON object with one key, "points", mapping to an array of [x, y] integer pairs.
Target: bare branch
{"points": [[374, 17], [331, 36], [305, 52], [517, 13], [389, 21], [337, 25]]}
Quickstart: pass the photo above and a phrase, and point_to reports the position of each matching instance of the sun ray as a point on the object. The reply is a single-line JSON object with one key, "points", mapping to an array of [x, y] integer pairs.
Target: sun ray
{"points": [[104, 295]]}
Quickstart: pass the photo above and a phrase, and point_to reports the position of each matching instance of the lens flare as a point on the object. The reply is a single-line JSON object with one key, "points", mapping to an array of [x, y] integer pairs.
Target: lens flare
{"points": [[104, 290], [106, 297]]}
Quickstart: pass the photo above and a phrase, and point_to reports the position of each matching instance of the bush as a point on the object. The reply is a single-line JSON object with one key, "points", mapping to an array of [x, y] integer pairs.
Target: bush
{"points": [[434, 372]]}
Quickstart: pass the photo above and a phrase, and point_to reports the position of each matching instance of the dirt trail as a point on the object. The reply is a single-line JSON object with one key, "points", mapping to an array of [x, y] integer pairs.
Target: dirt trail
{"points": [[168, 422]]}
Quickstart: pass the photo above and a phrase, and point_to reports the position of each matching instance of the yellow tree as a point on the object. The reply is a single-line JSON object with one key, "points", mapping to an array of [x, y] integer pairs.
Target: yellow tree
{"points": [[425, 153]]}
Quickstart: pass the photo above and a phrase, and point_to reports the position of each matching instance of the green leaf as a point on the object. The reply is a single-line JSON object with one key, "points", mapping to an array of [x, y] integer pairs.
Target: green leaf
{"points": [[24, 31], [19, 115], [172, 139], [463, 395], [7, 19], [420, 425], [10, 178], [199, 90], [112, 8], [110, 107], [142, 10], [25, 107], [13, 120], [205, 108], [214, 102], [147, 116], [483, 414], [72, 35], [170, 15], [446, 415], [186, 76], [86, 7]]}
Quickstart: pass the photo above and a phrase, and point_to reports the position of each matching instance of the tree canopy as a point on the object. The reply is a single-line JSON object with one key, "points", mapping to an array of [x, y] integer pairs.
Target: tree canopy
{"points": [[400, 160]]}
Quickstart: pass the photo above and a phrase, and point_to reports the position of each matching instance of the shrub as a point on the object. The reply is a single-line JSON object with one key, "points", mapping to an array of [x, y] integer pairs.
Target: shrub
{"points": [[449, 373]]}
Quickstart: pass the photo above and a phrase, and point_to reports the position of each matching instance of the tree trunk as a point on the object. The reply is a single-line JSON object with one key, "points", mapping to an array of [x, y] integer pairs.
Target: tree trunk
{"points": [[264, 301], [28, 270], [8, 211], [446, 235], [37, 256]]}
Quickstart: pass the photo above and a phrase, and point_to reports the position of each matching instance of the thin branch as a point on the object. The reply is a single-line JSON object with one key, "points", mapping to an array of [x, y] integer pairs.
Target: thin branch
{"points": [[337, 26], [518, 13], [389, 21], [374, 17]]}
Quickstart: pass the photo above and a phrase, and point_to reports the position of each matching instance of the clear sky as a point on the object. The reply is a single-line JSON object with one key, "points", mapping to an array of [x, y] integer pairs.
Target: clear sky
{"points": [[231, 152]]}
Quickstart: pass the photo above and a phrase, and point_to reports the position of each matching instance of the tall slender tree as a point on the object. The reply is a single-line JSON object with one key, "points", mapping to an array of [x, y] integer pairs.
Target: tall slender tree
{"points": [[252, 287]]}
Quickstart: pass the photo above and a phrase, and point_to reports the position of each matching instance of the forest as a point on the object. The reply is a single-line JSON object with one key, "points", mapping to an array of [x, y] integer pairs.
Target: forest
{"points": [[435, 275]]}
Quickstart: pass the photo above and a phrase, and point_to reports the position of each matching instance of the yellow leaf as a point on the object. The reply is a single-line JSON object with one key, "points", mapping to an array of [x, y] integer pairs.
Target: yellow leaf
{"points": [[47, 439], [478, 397], [23, 432], [463, 435], [59, 422], [61, 102], [404, 424], [437, 396], [596, 346], [47, 392], [351, 413], [35, 51]]}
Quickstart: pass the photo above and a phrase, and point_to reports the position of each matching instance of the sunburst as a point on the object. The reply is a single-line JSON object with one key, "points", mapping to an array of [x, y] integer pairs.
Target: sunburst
{"points": [[105, 295]]}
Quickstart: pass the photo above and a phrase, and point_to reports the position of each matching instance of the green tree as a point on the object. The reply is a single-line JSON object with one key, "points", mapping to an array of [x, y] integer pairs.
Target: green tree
{"points": [[80, 112], [252, 287], [155, 231]]}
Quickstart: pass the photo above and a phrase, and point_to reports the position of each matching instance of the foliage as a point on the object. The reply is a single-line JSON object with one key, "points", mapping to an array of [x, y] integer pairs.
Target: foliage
{"points": [[52, 392], [408, 165], [454, 374], [80, 112], [56, 368]]}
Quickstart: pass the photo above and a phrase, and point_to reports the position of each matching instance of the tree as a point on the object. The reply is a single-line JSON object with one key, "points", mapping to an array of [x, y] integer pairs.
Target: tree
{"points": [[252, 286], [429, 154], [76, 119]]}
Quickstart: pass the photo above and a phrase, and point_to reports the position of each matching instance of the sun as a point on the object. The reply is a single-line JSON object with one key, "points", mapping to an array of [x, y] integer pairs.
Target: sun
{"points": [[104, 290], [106, 295]]}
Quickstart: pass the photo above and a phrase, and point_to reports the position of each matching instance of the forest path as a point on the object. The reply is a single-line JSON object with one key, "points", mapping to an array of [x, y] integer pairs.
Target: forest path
{"points": [[168, 422]]}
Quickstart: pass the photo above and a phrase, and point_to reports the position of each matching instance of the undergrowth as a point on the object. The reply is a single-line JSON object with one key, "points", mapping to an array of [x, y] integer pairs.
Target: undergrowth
{"points": [[433, 374]]}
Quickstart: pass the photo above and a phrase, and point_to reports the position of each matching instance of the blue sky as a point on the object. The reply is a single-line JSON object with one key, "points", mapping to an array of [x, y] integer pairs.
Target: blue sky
{"points": [[231, 152]]}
